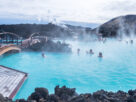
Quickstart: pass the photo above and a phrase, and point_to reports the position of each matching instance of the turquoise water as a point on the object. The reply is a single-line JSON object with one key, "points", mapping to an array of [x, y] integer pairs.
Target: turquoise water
{"points": [[115, 71]]}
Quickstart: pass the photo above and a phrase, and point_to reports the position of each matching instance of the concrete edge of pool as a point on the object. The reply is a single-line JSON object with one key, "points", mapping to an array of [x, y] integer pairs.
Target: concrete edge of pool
{"points": [[11, 81]]}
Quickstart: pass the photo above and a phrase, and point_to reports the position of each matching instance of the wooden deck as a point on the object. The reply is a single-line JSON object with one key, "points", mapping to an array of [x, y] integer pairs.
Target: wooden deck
{"points": [[10, 81], [8, 47]]}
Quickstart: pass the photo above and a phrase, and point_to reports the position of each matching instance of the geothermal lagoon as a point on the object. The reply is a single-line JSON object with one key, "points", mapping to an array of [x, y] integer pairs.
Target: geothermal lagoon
{"points": [[87, 73]]}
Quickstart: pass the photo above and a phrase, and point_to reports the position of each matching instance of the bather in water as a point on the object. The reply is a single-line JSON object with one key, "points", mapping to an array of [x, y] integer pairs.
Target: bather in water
{"points": [[78, 51], [43, 55], [100, 55], [131, 41], [91, 51]]}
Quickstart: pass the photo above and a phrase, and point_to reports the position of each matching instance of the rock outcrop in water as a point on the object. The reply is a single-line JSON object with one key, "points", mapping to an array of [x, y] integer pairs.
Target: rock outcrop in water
{"points": [[119, 26], [51, 46], [65, 94], [48, 45]]}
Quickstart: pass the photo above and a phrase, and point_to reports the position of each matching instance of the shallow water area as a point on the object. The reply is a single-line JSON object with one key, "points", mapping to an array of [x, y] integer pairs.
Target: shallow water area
{"points": [[85, 72]]}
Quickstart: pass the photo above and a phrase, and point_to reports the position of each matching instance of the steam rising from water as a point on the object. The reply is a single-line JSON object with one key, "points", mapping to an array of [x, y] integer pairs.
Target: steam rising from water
{"points": [[87, 73], [127, 30], [111, 49]]}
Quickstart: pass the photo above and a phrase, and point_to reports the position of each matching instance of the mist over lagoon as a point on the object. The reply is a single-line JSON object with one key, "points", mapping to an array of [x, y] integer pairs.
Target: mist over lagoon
{"points": [[67, 51]]}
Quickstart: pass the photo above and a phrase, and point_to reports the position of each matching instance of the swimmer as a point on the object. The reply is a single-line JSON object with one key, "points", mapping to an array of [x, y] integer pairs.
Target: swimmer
{"points": [[78, 51], [91, 51], [131, 41], [100, 55], [43, 55]]}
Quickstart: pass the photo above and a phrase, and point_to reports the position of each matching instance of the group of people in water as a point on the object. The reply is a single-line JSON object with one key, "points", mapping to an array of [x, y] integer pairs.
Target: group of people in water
{"points": [[131, 41], [100, 55], [90, 52], [78, 52]]}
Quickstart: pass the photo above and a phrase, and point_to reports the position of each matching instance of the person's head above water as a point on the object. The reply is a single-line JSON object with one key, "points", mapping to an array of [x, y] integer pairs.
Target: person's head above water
{"points": [[78, 50], [43, 55], [131, 41], [91, 51], [100, 55]]}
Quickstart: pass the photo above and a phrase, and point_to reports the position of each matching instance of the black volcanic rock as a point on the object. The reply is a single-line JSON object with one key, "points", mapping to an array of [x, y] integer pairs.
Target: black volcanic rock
{"points": [[118, 26], [21, 100], [43, 92], [35, 96], [49, 46], [131, 92], [39, 94], [64, 94], [53, 98], [82, 98], [50, 30]]}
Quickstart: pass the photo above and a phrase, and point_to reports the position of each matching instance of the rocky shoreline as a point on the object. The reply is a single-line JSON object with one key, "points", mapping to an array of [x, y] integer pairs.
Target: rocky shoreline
{"points": [[64, 94]]}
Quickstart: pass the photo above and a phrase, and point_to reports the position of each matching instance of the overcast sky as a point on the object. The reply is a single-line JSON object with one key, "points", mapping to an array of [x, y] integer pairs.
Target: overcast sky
{"points": [[96, 11]]}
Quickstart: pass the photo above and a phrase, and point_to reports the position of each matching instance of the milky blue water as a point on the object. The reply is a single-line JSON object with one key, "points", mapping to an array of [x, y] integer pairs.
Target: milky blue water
{"points": [[87, 73]]}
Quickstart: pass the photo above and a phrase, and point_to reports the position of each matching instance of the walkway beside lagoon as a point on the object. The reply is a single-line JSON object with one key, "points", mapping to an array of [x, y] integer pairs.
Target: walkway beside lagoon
{"points": [[10, 81], [9, 47]]}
